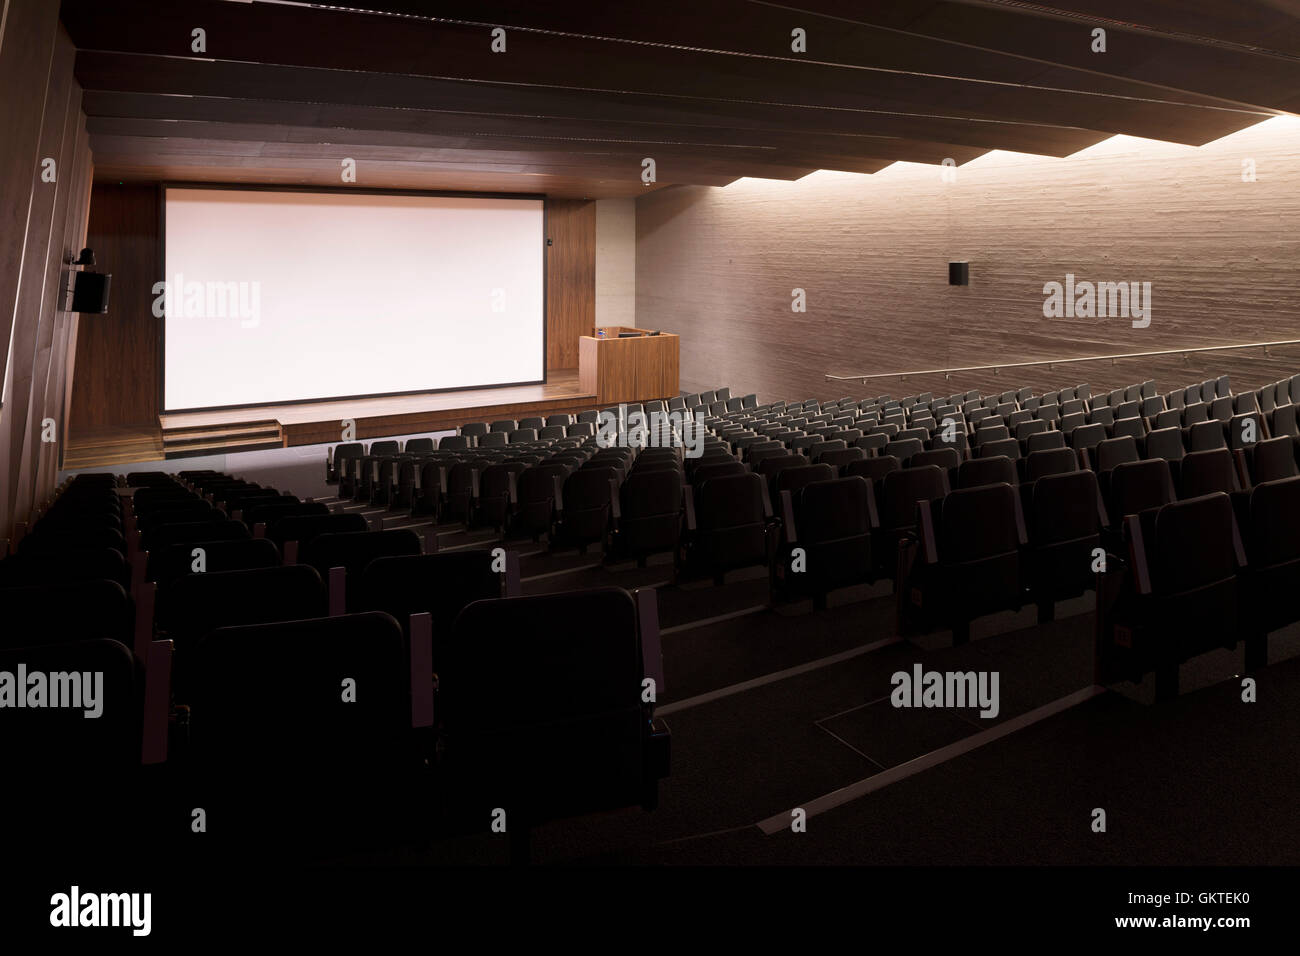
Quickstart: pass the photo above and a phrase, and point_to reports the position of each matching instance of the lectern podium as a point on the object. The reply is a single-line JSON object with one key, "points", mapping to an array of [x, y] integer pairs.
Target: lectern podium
{"points": [[635, 368]]}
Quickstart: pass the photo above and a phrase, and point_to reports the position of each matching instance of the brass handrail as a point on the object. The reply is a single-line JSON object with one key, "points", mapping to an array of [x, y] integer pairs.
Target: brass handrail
{"points": [[947, 372]]}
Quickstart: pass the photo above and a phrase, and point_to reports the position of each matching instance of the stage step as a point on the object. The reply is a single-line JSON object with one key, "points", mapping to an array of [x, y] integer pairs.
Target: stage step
{"points": [[193, 440]]}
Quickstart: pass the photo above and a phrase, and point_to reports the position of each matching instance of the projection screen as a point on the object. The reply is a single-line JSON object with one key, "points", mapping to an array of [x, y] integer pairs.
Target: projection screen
{"points": [[285, 296]]}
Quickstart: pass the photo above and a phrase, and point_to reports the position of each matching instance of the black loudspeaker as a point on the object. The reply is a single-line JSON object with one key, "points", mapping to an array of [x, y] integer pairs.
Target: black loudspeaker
{"points": [[90, 292], [959, 273]]}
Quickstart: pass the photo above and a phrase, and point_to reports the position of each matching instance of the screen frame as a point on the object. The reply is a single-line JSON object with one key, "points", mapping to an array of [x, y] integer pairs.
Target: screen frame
{"points": [[161, 342]]}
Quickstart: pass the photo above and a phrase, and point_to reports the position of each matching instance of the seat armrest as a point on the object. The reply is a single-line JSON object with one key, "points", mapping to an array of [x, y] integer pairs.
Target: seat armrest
{"points": [[787, 517], [512, 586], [688, 500], [925, 532], [421, 630], [157, 700], [337, 583], [144, 596], [615, 506], [1137, 554], [652, 659]]}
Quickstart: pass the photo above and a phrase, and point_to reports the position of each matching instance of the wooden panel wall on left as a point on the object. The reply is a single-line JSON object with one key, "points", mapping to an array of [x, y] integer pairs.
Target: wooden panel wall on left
{"points": [[118, 358], [45, 173]]}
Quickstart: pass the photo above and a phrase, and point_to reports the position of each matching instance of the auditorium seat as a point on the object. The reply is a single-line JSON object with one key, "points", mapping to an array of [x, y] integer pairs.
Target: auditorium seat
{"points": [[536, 491], [987, 471], [322, 722], [585, 506], [1205, 472], [60, 610], [178, 560], [1273, 459], [963, 559], [1179, 597], [1271, 579], [1044, 441], [65, 564], [1040, 464], [1064, 522], [564, 729], [832, 521], [726, 525], [302, 529], [353, 551]]}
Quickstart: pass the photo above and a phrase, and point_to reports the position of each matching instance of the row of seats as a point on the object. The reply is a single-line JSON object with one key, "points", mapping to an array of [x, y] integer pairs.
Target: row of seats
{"points": [[405, 671]]}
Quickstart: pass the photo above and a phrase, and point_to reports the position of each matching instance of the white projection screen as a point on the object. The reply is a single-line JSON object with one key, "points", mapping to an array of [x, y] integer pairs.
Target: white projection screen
{"points": [[286, 296]]}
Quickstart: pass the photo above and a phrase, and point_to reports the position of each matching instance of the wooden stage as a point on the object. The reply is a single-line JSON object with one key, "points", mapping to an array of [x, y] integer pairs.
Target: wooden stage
{"points": [[275, 426]]}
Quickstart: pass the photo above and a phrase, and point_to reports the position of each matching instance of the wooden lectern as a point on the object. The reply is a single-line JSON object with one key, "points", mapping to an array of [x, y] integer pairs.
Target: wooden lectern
{"points": [[634, 369]]}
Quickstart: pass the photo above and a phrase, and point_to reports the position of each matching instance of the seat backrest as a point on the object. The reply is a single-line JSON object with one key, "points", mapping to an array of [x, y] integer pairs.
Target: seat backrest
{"points": [[160, 538], [1102, 416], [1025, 429], [1205, 436], [1087, 436], [977, 523], [441, 585], [354, 550], [303, 528], [589, 486], [1273, 534], [1246, 430], [1193, 545], [61, 611], [730, 501], [902, 490], [306, 664], [1050, 461], [987, 471], [1206, 472], [903, 449], [1114, 451], [1136, 486], [841, 457], [1275, 459], [829, 510], [648, 493], [574, 677], [191, 607], [1044, 441], [874, 469], [1064, 508], [943, 457], [793, 479], [1166, 443], [1007, 447], [179, 560], [48, 746]]}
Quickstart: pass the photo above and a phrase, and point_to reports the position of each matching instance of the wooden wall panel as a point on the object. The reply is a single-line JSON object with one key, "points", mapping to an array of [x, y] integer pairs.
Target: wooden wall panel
{"points": [[42, 219], [718, 266], [118, 362], [570, 278]]}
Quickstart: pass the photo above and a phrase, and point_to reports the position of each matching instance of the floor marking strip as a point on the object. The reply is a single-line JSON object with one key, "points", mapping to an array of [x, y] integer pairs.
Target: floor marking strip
{"points": [[837, 798], [711, 620], [772, 678], [553, 574]]}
